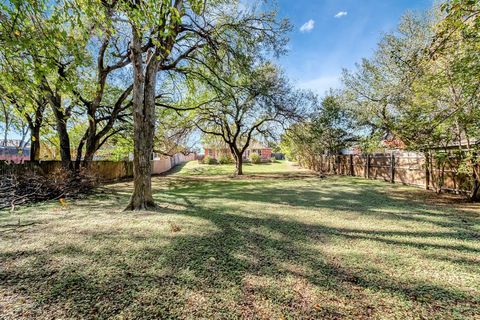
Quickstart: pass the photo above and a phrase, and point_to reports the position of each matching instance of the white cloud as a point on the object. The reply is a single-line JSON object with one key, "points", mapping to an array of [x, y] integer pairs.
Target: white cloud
{"points": [[321, 84], [307, 26], [341, 14]]}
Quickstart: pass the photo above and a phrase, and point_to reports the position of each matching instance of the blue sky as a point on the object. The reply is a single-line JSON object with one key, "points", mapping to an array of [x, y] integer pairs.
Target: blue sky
{"points": [[336, 34]]}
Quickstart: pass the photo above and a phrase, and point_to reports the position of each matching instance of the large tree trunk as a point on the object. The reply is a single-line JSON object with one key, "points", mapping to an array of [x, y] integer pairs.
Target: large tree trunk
{"points": [[474, 192], [61, 124], [35, 143], [91, 147], [34, 125], [144, 126], [239, 166], [64, 139], [238, 161], [238, 156]]}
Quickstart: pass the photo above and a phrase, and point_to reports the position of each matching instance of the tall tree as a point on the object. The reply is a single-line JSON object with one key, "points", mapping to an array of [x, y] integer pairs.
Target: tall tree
{"points": [[173, 35], [422, 86], [40, 52], [253, 102]]}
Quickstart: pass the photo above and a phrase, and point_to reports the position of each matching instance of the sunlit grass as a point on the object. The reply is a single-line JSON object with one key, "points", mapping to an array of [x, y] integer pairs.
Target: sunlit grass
{"points": [[277, 243], [195, 168]]}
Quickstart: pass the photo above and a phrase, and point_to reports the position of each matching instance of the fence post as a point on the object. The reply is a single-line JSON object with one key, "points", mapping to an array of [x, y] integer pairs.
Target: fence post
{"points": [[427, 171], [336, 165], [365, 166], [351, 165], [368, 166], [392, 168]]}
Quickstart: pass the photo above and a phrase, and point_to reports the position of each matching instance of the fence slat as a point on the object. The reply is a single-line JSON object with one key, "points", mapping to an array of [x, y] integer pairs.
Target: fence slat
{"points": [[103, 171], [407, 168]]}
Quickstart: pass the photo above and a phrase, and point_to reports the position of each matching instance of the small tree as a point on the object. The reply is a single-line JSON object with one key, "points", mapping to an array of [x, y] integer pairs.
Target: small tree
{"points": [[329, 128]]}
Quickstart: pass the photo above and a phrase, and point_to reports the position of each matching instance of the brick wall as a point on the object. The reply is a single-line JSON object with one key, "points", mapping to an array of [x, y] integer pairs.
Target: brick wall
{"points": [[266, 153]]}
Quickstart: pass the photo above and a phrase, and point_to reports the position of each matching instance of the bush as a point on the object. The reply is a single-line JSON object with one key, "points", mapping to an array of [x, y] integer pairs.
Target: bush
{"points": [[255, 158], [225, 159], [209, 160]]}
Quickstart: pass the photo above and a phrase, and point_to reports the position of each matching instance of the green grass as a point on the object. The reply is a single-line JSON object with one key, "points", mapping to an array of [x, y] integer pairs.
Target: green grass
{"points": [[277, 243], [193, 168]]}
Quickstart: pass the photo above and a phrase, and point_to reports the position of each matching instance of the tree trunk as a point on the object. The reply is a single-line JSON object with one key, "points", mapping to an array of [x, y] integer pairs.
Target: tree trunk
{"points": [[142, 185], [143, 125], [476, 183], [91, 141], [35, 143], [474, 192], [427, 171], [64, 139], [239, 165], [238, 155], [61, 124], [90, 148], [238, 162]]}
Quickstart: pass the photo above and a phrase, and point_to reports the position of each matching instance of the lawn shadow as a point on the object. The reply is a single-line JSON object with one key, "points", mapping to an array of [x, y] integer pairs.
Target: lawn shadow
{"points": [[228, 261]]}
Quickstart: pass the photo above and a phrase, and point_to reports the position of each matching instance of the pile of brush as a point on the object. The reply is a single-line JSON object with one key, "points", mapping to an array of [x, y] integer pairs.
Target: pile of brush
{"points": [[28, 187]]}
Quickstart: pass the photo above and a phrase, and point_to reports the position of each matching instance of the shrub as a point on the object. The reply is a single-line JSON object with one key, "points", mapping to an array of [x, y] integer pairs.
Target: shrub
{"points": [[225, 160], [255, 158], [209, 160]]}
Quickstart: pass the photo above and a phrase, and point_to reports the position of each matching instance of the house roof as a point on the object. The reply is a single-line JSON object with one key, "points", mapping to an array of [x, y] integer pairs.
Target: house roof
{"points": [[458, 144], [253, 145], [257, 145], [14, 143]]}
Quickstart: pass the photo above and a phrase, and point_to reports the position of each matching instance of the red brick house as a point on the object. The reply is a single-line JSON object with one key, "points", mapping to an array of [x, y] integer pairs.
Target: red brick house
{"points": [[255, 147]]}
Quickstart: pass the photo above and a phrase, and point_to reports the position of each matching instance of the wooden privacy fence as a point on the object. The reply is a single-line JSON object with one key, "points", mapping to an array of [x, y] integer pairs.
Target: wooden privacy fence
{"points": [[102, 171], [405, 168]]}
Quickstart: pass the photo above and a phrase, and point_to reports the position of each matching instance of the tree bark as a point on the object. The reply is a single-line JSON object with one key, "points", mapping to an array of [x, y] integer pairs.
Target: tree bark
{"points": [[64, 139], [35, 143], [476, 182], [238, 161], [34, 125], [427, 170], [238, 155], [474, 192], [143, 124], [91, 146], [239, 165], [62, 131]]}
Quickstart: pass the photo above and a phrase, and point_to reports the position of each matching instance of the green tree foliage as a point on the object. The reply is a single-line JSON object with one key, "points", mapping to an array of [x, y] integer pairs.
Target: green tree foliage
{"points": [[64, 67], [423, 85], [329, 129], [40, 50], [252, 101]]}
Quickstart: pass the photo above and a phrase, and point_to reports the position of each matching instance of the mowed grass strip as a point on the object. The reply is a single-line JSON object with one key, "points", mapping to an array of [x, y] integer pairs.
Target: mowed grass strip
{"points": [[279, 242]]}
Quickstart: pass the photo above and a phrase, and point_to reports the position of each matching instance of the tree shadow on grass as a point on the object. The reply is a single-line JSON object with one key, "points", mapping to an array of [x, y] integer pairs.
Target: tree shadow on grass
{"points": [[239, 263], [234, 269], [365, 199]]}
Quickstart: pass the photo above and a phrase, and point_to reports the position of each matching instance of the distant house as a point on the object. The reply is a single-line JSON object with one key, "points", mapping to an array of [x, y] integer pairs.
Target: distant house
{"points": [[217, 152], [14, 150]]}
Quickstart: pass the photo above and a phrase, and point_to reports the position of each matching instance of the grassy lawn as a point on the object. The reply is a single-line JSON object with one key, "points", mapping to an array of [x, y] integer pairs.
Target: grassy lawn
{"points": [[193, 168], [277, 243]]}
